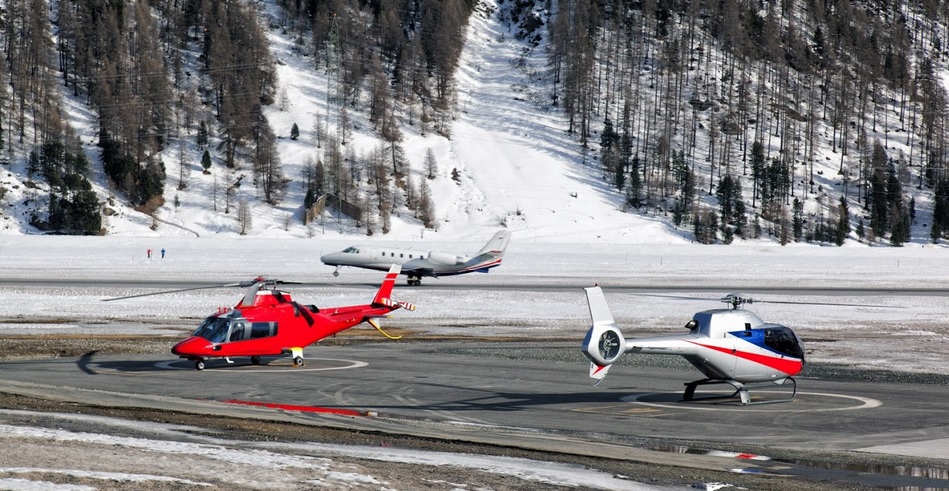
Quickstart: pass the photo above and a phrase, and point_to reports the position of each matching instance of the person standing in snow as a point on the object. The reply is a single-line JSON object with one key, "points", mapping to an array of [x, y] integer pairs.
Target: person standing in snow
{"points": [[163, 253]]}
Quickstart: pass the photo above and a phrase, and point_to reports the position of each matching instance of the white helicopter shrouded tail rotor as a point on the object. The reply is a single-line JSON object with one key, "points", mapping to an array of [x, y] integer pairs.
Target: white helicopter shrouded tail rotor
{"points": [[604, 343]]}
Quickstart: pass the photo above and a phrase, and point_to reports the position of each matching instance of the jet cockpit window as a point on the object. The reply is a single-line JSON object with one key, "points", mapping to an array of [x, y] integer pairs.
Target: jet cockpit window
{"points": [[351, 250]]}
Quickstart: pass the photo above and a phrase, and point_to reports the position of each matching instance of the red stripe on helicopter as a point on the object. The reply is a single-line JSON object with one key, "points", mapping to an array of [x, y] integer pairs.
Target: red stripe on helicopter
{"points": [[790, 366]]}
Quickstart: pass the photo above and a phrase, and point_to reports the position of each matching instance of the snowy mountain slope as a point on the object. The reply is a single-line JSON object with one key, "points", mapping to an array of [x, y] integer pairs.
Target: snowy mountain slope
{"points": [[508, 162], [517, 164]]}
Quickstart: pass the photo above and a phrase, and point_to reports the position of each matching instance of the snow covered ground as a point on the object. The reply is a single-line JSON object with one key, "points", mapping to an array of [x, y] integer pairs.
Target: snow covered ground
{"points": [[185, 457]]}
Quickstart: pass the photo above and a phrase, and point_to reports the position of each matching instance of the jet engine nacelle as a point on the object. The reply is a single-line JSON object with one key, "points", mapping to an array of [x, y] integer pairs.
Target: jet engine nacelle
{"points": [[444, 259], [604, 344]]}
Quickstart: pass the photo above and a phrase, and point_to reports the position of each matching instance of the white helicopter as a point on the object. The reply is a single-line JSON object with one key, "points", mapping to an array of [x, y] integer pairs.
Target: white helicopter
{"points": [[729, 346]]}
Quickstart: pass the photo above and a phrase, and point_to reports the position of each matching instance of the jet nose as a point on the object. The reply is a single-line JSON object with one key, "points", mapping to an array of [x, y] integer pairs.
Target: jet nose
{"points": [[192, 346], [330, 259]]}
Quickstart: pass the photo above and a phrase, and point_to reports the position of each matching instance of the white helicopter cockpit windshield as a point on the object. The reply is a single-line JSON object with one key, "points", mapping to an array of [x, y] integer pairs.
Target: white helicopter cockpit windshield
{"points": [[783, 340]]}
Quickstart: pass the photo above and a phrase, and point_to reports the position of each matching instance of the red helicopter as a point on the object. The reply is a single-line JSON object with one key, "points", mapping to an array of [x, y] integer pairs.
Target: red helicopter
{"points": [[268, 322]]}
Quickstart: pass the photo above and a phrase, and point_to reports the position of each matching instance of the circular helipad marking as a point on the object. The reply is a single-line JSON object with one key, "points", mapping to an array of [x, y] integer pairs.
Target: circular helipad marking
{"points": [[861, 403], [222, 366]]}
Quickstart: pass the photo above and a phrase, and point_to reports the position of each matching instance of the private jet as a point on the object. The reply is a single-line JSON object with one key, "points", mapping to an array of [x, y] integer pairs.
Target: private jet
{"points": [[416, 264]]}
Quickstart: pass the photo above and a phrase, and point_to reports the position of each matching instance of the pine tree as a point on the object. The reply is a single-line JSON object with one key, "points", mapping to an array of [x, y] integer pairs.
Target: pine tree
{"points": [[900, 229], [758, 172], [634, 186], [843, 222], [426, 208], [619, 175], [678, 213], [411, 196], [83, 215], [732, 208], [797, 220], [294, 132], [878, 201], [784, 226], [206, 162], [431, 165], [202, 137], [244, 217], [705, 225]]}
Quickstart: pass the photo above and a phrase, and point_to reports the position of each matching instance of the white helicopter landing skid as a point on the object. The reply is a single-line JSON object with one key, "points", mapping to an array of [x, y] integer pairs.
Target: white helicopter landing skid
{"points": [[741, 390]]}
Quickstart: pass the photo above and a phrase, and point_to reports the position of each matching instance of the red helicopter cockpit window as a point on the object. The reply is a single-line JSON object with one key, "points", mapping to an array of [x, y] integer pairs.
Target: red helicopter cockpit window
{"points": [[237, 331], [214, 329]]}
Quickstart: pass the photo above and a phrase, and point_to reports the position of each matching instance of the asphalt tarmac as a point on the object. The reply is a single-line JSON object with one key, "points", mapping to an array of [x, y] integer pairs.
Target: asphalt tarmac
{"points": [[536, 396]]}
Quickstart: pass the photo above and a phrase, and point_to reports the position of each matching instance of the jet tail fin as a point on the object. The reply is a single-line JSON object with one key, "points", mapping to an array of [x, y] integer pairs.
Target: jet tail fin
{"points": [[491, 254], [497, 244]]}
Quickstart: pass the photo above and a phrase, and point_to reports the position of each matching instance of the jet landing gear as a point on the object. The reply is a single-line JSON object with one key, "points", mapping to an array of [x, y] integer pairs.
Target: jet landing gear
{"points": [[741, 390], [336, 272], [414, 280]]}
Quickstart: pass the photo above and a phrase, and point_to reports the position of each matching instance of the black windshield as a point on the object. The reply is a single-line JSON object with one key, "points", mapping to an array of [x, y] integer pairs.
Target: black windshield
{"points": [[783, 340], [213, 329]]}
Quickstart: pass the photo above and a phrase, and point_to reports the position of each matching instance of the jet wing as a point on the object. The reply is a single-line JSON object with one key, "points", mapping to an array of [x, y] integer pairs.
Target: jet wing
{"points": [[418, 267]]}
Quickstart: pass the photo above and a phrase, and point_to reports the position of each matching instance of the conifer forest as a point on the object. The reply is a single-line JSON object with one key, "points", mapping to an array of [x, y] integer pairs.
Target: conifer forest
{"points": [[789, 120]]}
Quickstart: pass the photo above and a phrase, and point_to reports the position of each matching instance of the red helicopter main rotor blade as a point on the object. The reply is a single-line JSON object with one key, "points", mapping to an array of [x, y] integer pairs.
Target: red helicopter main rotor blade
{"points": [[180, 290]]}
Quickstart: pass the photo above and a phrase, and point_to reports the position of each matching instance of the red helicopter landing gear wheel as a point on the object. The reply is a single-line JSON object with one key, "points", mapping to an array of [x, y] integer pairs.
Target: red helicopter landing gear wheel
{"points": [[255, 360], [298, 361], [199, 365]]}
